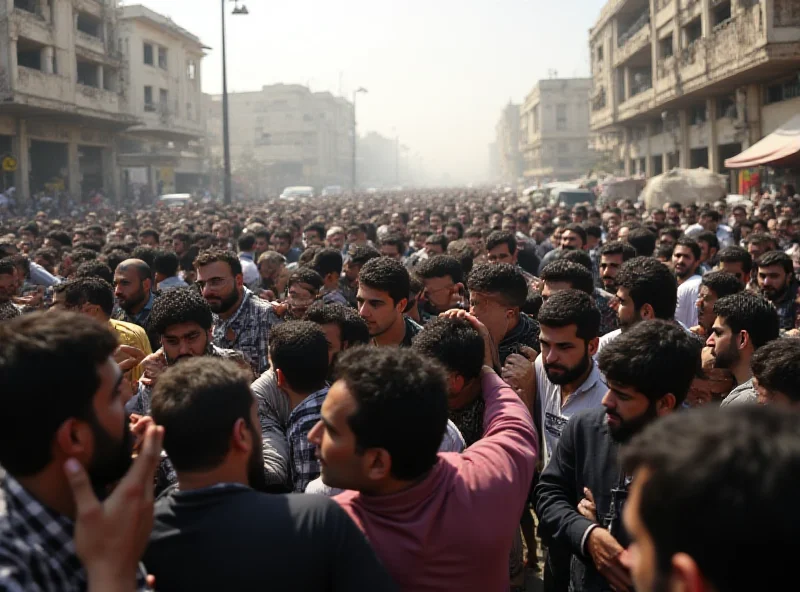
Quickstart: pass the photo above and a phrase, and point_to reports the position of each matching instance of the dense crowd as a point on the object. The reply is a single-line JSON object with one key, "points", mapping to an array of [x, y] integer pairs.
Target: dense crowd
{"points": [[428, 390]]}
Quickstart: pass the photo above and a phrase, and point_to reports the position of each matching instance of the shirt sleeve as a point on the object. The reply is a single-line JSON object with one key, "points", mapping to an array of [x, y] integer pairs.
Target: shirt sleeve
{"points": [[15, 575], [274, 445]]}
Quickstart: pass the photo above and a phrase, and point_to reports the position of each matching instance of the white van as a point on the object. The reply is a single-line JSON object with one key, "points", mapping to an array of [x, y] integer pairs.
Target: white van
{"points": [[293, 193], [174, 200]]}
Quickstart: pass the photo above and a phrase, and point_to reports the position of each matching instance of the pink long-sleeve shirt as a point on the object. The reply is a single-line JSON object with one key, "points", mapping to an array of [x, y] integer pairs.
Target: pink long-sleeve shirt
{"points": [[454, 530]]}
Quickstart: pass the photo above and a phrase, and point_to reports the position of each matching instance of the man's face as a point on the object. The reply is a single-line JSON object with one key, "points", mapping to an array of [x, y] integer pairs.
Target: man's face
{"points": [[627, 411], [706, 252], [433, 249], [626, 310], [709, 224], [438, 294], [148, 241], [667, 239], [706, 298], [773, 281], [736, 268], [281, 245], [219, 286], [609, 268], [391, 251], [178, 246], [336, 241], [300, 297], [129, 290], [261, 246], [571, 240], [451, 232], [501, 254], [509, 225], [222, 234], [723, 344], [739, 215], [311, 238], [8, 285], [184, 341], [496, 220], [378, 310], [622, 234], [756, 250], [333, 335], [492, 312], [683, 262], [565, 356], [436, 223], [659, 217]]}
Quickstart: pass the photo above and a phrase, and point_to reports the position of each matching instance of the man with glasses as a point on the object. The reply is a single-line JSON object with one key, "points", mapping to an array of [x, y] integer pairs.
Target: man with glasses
{"points": [[443, 279]]}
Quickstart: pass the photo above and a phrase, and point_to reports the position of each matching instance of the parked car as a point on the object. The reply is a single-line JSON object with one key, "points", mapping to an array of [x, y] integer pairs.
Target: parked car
{"points": [[174, 200], [294, 193]]}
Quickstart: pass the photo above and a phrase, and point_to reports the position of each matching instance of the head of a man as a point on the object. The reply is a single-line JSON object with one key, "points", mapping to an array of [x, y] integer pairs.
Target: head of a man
{"points": [[709, 246], [336, 238], [132, 284], [775, 373], [314, 235], [383, 289], [569, 325], [648, 370], [393, 246], [563, 274], [281, 241], [298, 352], [219, 276], [501, 247], [342, 326], [715, 285], [612, 256], [91, 296], [46, 424], [183, 319], [327, 263], [759, 243], [707, 482], [497, 293], [149, 237], [165, 265], [709, 220], [443, 279], [212, 419], [380, 393], [685, 257], [358, 255], [573, 237], [646, 289], [775, 274], [302, 290], [736, 260], [643, 241], [8, 280]]}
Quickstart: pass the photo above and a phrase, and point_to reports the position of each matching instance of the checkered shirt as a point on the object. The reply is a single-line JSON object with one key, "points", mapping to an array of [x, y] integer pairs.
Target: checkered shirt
{"points": [[305, 466]]}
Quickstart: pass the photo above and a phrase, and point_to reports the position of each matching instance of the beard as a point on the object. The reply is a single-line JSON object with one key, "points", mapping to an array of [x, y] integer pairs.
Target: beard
{"points": [[773, 294], [132, 302], [173, 361], [568, 374], [726, 358], [628, 428], [112, 458], [225, 303], [255, 464]]}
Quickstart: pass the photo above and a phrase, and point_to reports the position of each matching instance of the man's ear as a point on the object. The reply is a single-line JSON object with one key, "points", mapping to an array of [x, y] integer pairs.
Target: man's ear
{"points": [[401, 305], [281, 378], [646, 312], [666, 404], [379, 464]]}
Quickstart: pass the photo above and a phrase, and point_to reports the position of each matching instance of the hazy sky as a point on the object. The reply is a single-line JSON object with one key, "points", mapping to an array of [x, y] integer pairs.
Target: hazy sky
{"points": [[437, 71]]}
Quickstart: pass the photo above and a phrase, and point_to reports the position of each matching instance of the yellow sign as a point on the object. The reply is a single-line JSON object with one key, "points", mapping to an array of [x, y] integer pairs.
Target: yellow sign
{"points": [[9, 164]]}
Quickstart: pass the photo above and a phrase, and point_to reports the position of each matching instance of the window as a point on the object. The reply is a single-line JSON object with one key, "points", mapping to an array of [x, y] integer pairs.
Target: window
{"points": [[148, 99], [148, 54], [599, 53], [726, 107], [162, 58], [191, 70], [693, 31], [783, 90], [697, 114], [561, 117], [665, 47], [163, 98]]}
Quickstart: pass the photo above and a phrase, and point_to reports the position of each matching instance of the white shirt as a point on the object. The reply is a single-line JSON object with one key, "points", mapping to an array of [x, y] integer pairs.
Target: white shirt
{"points": [[686, 309], [605, 340], [249, 270]]}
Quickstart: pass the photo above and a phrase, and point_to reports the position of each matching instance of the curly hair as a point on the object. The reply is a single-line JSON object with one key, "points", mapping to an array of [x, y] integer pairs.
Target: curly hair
{"points": [[745, 311], [503, 280], [575, 274], [440, 266], [210, 256], [571, 307], [649, 281], [180, 305], [454, 343], [354, 330], [387, 275]]}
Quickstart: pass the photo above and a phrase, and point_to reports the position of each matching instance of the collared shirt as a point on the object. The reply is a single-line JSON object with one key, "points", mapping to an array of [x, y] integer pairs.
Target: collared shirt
{"points": [[609, 320], [252, 278], [555, 414], [139, 318], [686, 308], [305, 465], [135, 336], [247, 330], [348, 289], [334, 297], [787, 308], [412, 328], [37, 551], [172, 282]]}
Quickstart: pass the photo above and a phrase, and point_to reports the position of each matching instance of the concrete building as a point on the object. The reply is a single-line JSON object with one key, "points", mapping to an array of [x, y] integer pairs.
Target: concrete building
{"points": [[692, 82], [507, 134], [62, 95], [165, 152], [554, 130], [299, 137]]}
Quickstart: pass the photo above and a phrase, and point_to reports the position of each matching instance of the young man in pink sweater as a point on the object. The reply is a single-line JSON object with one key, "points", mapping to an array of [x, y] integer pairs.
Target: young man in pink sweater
{"points": [[437, 521]]}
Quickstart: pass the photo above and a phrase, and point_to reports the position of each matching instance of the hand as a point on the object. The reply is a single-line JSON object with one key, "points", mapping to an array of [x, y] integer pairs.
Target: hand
{"points": [[699, 331], [587, 507], [139, 426], [490, 355], [153, 365], [792, 333], [267, 295], [606, 553], [520, 375], [128, 357], [110, 537]]}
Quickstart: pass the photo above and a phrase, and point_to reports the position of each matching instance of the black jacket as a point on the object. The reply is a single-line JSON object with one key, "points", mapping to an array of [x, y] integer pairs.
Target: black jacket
{"points": [[586, 456]]}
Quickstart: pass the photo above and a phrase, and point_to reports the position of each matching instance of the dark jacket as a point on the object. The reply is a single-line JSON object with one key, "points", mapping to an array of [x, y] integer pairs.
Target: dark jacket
{"points": [[586, 456]]}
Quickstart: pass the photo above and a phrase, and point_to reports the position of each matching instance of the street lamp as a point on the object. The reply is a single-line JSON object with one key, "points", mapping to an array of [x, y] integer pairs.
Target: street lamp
{"points": [[226, 141], [360, 89]]}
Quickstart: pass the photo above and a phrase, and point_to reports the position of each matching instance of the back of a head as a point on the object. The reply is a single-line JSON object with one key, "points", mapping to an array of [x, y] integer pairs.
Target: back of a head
{"points": [[299, 350], [575, 274], [721, 487], [353, 329], [440, 266], [91, 290], [500, 237], [643, 241], [395, 388], [571, 307], [37, 352], [578, 256], [655, 357], [502, 280], [776, 367], [145, 253], [166, 263], [327, 261], [649, 281], [246, 242], [454, 343], [736, 254], [387, 275], [360, 254], [746, 311], [180, 305], [198, 402], [722, 283], [95, 268]]}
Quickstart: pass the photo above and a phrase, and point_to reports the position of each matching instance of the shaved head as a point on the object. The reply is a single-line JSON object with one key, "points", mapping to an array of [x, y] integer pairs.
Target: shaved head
{"points": [[142, 269]]}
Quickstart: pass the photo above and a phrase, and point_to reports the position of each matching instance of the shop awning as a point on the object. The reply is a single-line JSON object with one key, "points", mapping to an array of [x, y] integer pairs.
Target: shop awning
{"points": [[780, 148]]}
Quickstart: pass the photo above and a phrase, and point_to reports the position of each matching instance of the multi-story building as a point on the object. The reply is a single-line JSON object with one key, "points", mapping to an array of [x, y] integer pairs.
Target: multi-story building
{"points": [[62, 95], [554, 130], [165, 152], [692, 82], [507, 142], [299, 137]]}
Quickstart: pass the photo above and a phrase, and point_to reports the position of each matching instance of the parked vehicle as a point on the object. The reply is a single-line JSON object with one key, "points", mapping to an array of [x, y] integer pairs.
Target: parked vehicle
{"points": [[294, 193], [174, 200]]}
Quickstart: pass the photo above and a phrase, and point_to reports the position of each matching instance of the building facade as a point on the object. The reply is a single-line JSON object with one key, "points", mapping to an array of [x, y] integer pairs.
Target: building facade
{"points": [[62, 93], [554, 130], [165, 151], [507, 134], [691, 82]]}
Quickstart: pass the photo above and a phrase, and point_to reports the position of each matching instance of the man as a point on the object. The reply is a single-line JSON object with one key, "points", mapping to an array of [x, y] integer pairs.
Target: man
{"points": [[745, 322], [501, 247], [580, 494], [562, 274], [357, 257], [181, 241], [242, 321], [573, 237], [342, 326], [218, 516], [383, 289], [8, 289], [314, 235], [336, 238], [443, 279], [685, 261], [776, 283], [165, 268], [149, 238], [736, 260], [715, 285], [567, 378], [393, 246], [133, 285], [643, 241], [247, 246], [281, 242], [759, 243], [775, 375], [688, 532], [710, 221], [56, 447], [612, 256], [497, 293], [302, 291], [709, 247], [364, 446], [328, 264]]}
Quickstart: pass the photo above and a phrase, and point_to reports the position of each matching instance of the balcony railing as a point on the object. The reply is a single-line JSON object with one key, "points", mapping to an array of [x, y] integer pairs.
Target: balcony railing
{"points": [[642, 21], [599, 100], [641, 83], [662, 4]]}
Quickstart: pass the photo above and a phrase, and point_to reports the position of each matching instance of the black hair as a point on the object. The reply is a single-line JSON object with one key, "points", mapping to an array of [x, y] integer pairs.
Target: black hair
{"points": [[395, 388], [643, 240], [501, 237], [708, 237], [712, 214], [93, 290], [210, 256], [721, 487], [353, 329], [736, 254], [36, 352], [593, 230], [7, 266], [360, 254], [283, 234], [685, 241], [618, 248], [316, 227], [31, 227], [776, 258], [577, 229], [437, 239], [246, 242], [387, 275], [81, 255], [95, 268], [166, 263], [760, 238], [61, 237], [305, 275], [182, 236], [327, 261], [180, 305], [47, 253], [150, 232], [655, 357], [578, 256], [464, 254], [776, 367], [198, 402], [395, 241], [145, 253], [571, 307], [457, 225], [299, 350], [440, 266], [649, 281], [454, 343], [722, 283], [675, 233], [749, 312], [562, 270], [502, 280], [116, 256]]}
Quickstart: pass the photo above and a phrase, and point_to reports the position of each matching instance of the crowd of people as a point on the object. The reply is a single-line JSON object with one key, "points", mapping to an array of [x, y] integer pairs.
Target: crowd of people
{"points": [[430, 390]]}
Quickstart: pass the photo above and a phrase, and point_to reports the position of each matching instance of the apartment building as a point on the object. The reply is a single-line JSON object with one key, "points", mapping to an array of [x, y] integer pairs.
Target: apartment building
{"points": [[554, 130], [61, 88], [507, 133], [165, 151], [691, 82]]}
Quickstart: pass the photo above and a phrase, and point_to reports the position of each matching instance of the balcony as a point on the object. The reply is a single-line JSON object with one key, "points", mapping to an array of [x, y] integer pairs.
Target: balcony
{"points": [[37, 84], [640, 39], [33, 26], [96, 99], [627, 34], [90, 42], [636, 104]]}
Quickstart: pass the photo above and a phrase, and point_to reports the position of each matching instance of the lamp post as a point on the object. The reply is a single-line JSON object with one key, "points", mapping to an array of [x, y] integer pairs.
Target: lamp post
{"points": [[226, 141], [360, 89]]}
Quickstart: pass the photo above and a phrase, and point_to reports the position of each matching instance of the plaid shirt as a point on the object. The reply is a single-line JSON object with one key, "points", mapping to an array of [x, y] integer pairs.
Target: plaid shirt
{"points": [[248, 330], [37, 551], [305, 466]]}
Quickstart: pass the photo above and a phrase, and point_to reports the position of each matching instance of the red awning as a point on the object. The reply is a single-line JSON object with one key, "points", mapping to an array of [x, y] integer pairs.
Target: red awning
{"points": [[780, 148]]}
